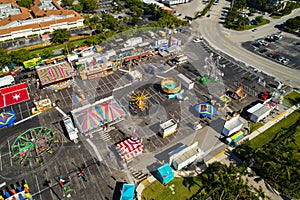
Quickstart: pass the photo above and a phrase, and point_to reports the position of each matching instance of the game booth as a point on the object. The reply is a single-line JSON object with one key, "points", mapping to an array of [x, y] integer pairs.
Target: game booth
{"points": [[205, 109], [7, 118], [98, 114], [13, 95], [56, 76], [130, 148]]}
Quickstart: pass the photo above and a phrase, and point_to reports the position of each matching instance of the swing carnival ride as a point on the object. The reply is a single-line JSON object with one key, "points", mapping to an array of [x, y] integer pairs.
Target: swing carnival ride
{"points": [[139, 102], [34, 144]]}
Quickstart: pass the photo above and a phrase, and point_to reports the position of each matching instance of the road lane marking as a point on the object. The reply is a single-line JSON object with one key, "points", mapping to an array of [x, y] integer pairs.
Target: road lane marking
{"points": [[232, 36], [261, 64], [214, 18]]}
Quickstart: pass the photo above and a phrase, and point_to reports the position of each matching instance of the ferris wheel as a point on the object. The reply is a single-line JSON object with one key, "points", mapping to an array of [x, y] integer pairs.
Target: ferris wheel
{"points": [[33, 144]]}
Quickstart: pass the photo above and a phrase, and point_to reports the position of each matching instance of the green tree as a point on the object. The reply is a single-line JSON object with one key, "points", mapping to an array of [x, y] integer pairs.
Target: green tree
{"points": [[67, 2], [89, 5], [60, 36], [5, 58], [259, 19], [138, 11], [25, 3], [46, 53], [293, 23], [77, 7], [19, 56], [109, 22], [135, 20]]}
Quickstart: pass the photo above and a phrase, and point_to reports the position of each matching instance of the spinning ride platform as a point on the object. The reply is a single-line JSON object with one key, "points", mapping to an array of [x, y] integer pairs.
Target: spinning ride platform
{"points": [[170, 85], [139, 101]]}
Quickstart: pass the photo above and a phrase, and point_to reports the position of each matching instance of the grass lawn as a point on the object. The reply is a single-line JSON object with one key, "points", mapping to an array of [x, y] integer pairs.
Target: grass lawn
{"points": [[292, 98], [158, 191], [265, 21], [255, 126], [269, 134], [276, 16]]}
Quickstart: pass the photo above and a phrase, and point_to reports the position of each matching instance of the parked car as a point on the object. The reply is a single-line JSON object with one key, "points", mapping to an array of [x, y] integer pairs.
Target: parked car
{"points": [[197, 40], [271, 55], [277, 37], [253, 30], [285, 60]]}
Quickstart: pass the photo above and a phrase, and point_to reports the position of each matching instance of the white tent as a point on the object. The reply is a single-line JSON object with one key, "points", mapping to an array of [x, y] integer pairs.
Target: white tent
{"points": [[233, 125]]}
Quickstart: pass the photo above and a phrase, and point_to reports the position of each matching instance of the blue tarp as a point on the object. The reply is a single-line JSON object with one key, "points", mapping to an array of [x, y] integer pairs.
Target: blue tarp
{"points": [[165, 174], [128, 192]]}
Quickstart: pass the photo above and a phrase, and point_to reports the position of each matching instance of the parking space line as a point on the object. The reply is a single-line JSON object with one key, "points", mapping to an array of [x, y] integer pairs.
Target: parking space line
{"points": [[105, 85], [38, 187], [63, 98], [28, 108], [9, 153], [20, 111], [98, 168]]}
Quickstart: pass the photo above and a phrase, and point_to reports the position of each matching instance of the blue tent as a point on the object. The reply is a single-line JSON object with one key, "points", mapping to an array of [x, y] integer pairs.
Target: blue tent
{"points": [[205, 109], [7, 118], [165, 174], [128, 192]]}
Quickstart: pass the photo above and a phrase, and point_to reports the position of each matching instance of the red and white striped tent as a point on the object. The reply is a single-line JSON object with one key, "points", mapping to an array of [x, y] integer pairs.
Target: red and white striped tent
{"points": [[130, 147]]}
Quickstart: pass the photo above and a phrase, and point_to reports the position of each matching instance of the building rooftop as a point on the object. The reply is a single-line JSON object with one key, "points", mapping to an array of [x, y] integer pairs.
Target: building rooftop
{"points": [[186, 155], [7, 10]]}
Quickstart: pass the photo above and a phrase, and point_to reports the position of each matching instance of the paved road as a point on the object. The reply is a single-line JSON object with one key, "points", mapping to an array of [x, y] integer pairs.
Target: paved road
{"points": [[230, 41]]}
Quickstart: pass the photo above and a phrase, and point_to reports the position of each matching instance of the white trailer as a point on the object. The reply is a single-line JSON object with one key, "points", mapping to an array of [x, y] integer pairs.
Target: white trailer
{"points": [[6, 81], [72, 131], [259, 112], [185, 82], [184, 155]]}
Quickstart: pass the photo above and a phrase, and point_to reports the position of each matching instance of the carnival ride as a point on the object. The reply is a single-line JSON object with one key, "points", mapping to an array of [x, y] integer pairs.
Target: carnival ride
{"points": [[205, 109], [7, 118], [34, 143], [170, 85], [139, 101], [41, 105], [213, 73], [240, 94]]}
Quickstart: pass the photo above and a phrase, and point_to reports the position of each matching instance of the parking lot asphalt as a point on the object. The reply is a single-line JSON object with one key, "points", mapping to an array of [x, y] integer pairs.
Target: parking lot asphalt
{"points": [[286, 47], [100, 184]]}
